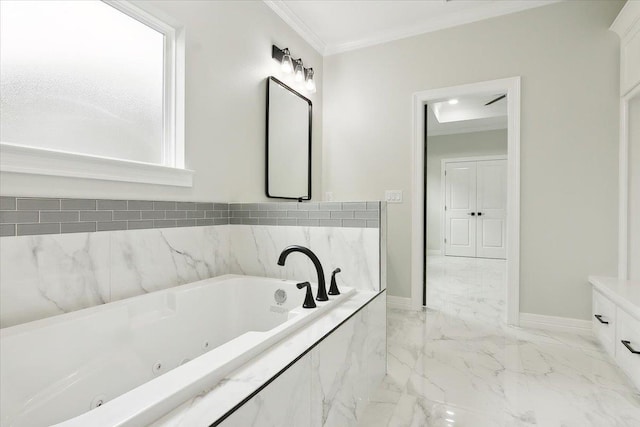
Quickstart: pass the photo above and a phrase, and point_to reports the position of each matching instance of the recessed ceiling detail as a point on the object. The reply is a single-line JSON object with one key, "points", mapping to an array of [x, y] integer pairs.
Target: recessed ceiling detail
{"points": [[467, 114], [334, 26]]}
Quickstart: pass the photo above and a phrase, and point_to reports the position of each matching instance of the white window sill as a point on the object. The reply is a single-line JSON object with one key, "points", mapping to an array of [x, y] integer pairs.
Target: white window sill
{"points": [[19, 159]]}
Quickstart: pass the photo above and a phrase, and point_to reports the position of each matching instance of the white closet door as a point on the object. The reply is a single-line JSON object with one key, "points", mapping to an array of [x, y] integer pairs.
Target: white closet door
{"points": [[460, 203], [491, 209]]}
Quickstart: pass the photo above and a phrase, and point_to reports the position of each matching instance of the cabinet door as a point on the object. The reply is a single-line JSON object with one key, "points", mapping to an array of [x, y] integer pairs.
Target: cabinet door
{"points": [[604, 322], [628, 332]]}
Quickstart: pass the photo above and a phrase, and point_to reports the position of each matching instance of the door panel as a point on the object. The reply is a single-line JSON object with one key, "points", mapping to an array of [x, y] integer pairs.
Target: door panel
{"points": [[460, 202], [491, 208]]}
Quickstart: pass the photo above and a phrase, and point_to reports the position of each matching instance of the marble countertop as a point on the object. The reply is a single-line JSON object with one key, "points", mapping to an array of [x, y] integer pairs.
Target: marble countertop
{"points": [[625, 293], [208, 407]]}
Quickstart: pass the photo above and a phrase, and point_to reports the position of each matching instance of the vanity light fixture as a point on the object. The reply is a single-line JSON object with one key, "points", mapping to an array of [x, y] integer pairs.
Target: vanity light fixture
{"points": [[310, 83], [295, 66], [286, 62], [298, 71]]}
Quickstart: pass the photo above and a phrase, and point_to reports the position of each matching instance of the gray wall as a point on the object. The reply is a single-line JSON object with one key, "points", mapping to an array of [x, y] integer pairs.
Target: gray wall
{"points": [[228, 58], [568, 61], [450, 146]]}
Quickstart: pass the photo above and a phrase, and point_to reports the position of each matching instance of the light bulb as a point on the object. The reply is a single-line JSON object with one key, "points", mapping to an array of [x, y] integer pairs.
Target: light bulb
{"points": [[453, 101], [310, 83], [287, 63], [299, 71]]}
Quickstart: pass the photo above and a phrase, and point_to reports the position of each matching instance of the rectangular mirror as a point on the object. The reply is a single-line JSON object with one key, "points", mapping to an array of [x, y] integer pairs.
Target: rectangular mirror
{"points": [[288, 163]]}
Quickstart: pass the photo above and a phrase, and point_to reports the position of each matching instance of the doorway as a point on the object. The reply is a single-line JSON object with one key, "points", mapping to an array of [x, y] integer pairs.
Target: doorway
{"points": [[509, 90]]}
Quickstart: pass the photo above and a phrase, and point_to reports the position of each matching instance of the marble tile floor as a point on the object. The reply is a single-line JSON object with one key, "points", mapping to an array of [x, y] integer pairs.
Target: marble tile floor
{"points": [[456, 364]]}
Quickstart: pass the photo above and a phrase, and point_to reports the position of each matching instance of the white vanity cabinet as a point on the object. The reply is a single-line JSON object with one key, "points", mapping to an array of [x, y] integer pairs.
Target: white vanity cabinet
{"points": [[616, 321]]}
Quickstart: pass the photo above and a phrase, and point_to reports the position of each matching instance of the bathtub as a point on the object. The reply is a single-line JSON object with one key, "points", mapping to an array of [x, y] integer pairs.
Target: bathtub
{"points": [[129, 362]]}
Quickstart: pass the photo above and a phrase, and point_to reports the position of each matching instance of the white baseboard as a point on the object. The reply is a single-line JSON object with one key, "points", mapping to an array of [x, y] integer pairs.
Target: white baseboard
{"points": [[553, 323], [434, 252], [399, 302]]}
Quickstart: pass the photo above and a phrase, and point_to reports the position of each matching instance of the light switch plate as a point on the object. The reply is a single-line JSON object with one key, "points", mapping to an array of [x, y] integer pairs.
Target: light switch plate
{"points": [[393, 196]]}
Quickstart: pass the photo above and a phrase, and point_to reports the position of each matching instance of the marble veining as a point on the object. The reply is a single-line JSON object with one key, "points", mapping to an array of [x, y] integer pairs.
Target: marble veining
{"points": [[255, 251], [150, 260], [284, 402], [456, 364], [44, 276]]}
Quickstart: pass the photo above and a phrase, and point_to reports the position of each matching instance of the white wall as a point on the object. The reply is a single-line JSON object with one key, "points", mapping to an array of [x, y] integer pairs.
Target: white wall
{"points": [[228, 58], [451, 146], [568, 61]]}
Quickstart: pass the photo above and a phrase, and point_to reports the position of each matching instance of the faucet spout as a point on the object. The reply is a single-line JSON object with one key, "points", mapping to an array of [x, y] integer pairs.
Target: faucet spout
{"points": [[322, 291]]}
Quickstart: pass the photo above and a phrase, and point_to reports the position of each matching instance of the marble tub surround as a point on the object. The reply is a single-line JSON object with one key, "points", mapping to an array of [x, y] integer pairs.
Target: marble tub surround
{"points": [[42, 276], [265, 389], [456, 364], [150, 260], [254, 250]]}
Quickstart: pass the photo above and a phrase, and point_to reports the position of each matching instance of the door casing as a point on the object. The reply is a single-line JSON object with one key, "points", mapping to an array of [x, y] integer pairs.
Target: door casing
{"points": [[510, 86]]}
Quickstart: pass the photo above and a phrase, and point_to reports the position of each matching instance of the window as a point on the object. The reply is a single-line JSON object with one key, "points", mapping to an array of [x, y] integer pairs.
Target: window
{"points": [[90, 80]]}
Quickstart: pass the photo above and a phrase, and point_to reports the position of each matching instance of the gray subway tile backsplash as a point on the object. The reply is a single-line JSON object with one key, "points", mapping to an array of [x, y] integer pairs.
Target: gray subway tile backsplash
{"points": [[19, 217], [7, 203], [354, 206], [360, 223], [112, 225], [29, 216], [152, 215], [112, 205], [33, 229], [164, 206], [59, 216], [342, 215], [78, 227], [38, 204], [96, 215], [175, 214], [7, 230], [78, 204], [140, 205], [125, 215], [138, 225]]}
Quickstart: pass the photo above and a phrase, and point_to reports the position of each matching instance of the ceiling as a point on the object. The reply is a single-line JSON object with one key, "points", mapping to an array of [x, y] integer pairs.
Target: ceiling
{"points": [[469, 114], [333, 26]]}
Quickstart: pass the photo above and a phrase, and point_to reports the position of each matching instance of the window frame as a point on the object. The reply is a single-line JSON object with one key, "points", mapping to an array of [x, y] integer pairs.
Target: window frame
{"points": [[41, 161]]}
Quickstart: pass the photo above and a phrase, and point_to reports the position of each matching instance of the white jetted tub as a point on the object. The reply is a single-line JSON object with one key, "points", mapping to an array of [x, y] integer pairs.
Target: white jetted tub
{"points": [[129, 362]]}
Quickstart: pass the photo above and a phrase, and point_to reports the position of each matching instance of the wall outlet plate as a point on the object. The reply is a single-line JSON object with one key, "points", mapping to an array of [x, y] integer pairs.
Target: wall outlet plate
{"points": [[328, 196], [393, 196]]}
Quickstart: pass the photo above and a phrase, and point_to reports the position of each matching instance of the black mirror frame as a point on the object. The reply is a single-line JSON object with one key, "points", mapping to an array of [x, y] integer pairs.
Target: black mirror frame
{"points": [[308, 101]]}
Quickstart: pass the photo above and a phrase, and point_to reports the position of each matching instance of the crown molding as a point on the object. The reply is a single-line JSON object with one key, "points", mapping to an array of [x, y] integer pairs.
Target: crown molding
{"points": [[475, 14], [287, 15], [626, 19], [440, 23]]}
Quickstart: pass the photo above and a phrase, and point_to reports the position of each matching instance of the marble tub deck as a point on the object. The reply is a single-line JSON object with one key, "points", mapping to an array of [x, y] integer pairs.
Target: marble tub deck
{"points": [[455, 364]]}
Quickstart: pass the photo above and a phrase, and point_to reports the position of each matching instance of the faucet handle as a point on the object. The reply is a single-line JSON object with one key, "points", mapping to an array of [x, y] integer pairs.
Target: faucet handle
{"points": [[308, 299], [333, 289]]}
